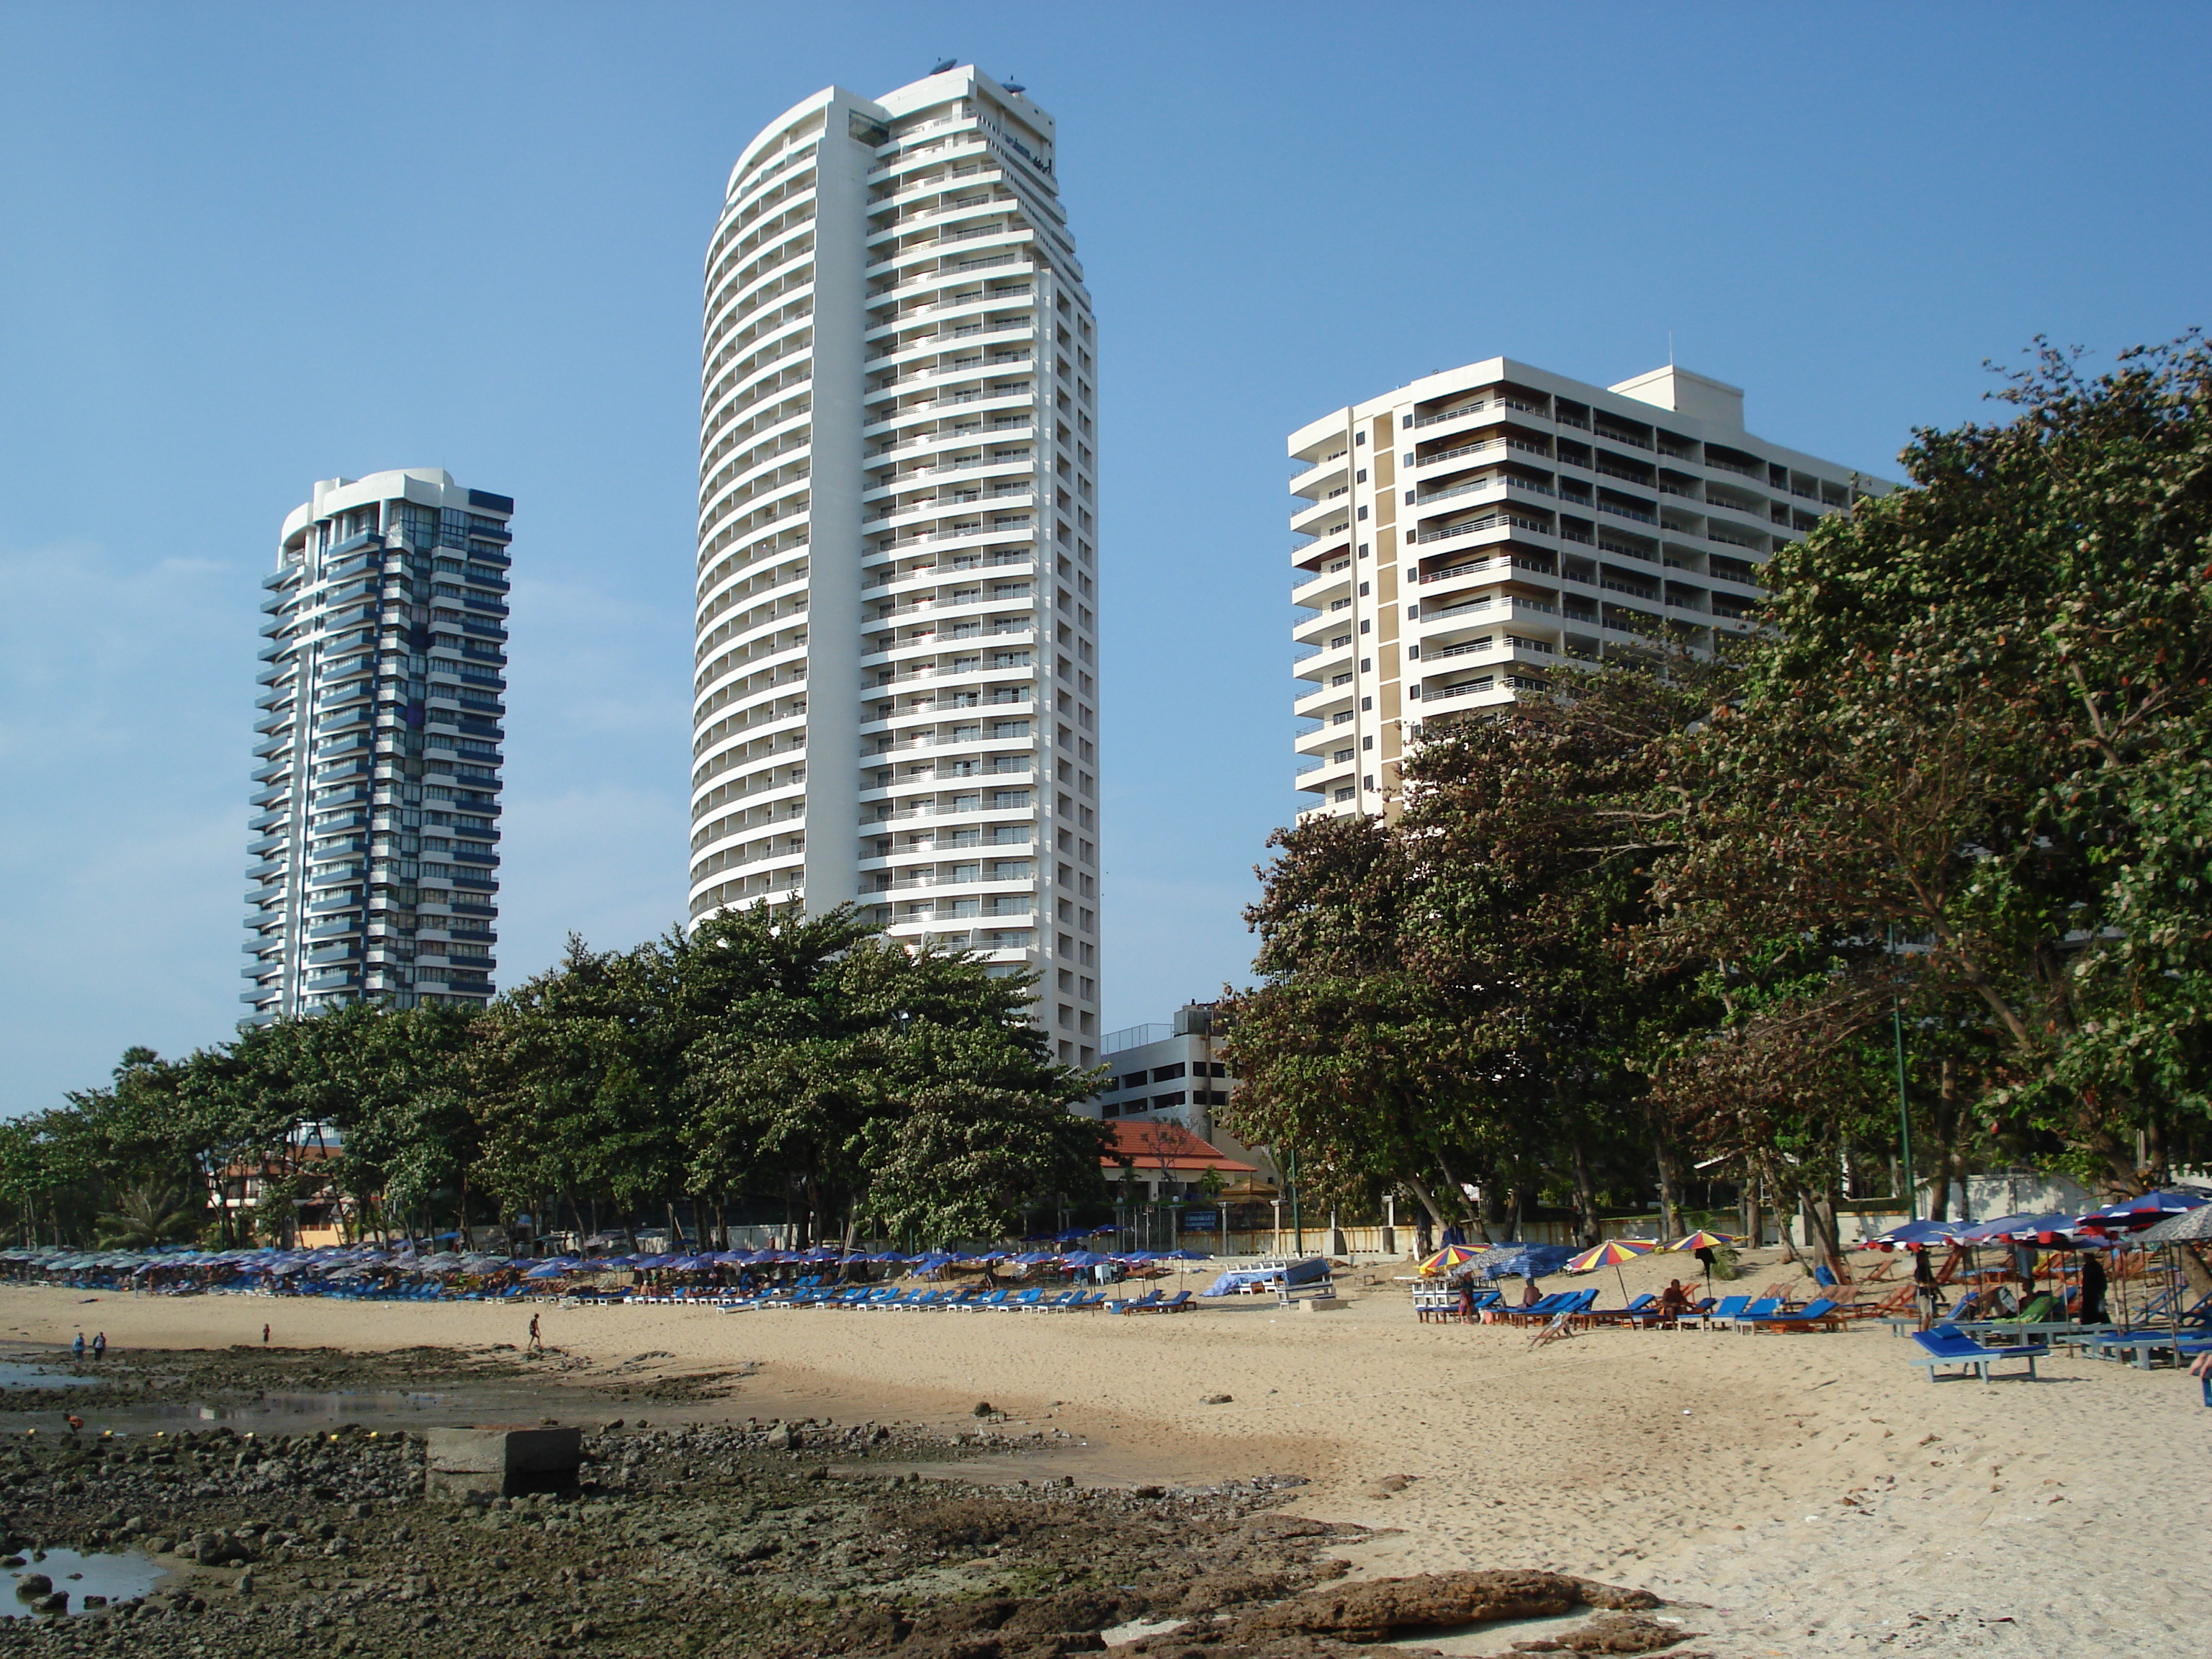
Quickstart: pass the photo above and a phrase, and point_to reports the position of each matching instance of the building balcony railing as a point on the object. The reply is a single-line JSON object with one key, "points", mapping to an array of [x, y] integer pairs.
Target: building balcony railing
{"points": [[1474, 526], [1498, 561]]}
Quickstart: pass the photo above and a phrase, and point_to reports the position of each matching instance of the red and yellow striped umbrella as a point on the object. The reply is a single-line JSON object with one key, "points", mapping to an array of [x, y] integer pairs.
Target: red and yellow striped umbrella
{"points": [[1612, 1254], [1452, 1255], [1702, 1240]]}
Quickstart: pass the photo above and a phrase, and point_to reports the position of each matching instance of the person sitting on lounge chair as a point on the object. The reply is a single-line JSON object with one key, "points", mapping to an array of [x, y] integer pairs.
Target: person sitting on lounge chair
{"points": [[1467, 1298], [1674, 1301], [1533, 1294]]}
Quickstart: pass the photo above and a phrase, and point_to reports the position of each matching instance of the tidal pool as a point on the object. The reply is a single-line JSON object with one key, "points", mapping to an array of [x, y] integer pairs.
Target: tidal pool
{"points": [[117, 1575]]}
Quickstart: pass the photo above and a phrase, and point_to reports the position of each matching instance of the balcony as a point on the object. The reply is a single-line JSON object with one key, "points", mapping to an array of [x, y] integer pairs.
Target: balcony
{"points": [[1475, 527], [1498, 561]]}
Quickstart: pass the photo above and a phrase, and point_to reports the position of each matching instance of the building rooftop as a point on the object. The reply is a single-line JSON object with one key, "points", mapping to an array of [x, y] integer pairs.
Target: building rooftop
{"points": [[1150, 1146]]}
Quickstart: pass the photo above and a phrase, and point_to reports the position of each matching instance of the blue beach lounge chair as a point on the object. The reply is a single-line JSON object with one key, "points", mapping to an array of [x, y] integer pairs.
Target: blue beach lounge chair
{"points": [[1821, 1314], [1947, 1347], [1149, 1299]]}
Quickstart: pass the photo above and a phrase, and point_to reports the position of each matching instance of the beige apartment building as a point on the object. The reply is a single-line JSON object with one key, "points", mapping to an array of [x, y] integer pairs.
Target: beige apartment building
{"points": [[1460, 536]]}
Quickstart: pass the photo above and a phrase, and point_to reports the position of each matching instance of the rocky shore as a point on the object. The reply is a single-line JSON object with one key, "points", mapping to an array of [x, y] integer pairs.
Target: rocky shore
{"points": [[753, 1540]]}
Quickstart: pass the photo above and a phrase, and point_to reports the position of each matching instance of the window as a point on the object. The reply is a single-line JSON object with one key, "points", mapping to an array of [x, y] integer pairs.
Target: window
{"points": [[1165, 1073], [1343, 794]]}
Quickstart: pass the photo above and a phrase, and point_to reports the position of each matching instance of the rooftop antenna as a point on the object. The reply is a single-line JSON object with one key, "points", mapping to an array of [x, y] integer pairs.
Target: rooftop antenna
{"points": [[1670, 348], [945, 64]]}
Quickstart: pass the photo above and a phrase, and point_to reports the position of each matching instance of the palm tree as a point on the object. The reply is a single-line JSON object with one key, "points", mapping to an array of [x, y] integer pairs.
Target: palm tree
{"points": [[147, 1216]]}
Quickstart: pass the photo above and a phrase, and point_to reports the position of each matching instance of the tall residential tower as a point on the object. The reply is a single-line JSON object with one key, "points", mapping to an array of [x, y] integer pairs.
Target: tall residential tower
{"points": [[376, 795], [896, 694], [1461, 535]]}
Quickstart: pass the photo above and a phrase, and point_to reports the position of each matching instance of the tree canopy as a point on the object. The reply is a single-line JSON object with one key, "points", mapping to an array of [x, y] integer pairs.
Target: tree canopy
{"points": [[805, 1068]]}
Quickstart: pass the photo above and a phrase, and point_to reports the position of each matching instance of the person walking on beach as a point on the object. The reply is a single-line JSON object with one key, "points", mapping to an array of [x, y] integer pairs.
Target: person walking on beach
{"points": [[1467, 1297], [99, 1344], [537, 1343], [265, 1336], [2092, 1311], [78, 1345], [1925, 1289]]}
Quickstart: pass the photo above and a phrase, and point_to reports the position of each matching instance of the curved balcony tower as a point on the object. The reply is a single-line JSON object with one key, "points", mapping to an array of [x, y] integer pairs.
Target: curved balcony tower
{"points": [[377, 786], [895, 693]]}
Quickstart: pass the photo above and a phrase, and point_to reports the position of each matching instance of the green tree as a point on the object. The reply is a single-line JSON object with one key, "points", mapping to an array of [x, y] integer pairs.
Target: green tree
{"points": [[1979, 720]]}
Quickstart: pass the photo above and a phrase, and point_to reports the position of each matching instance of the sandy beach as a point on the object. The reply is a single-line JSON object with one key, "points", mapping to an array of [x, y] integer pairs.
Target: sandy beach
{"points": [[1806, 1494]]}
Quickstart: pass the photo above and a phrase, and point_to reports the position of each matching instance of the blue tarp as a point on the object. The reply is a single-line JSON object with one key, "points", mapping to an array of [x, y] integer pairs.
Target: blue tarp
{"points": [[1524, 1260], [1312, 1271]]}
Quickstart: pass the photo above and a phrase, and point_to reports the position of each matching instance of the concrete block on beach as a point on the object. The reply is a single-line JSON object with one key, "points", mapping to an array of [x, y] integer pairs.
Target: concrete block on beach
{"points": [[1323, 1304], [495, 1463]]}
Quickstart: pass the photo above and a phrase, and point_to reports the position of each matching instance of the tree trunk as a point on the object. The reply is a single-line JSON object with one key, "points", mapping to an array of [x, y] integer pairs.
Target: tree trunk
{"points": [[2194, 1271], [1419, 1189], [1670, 1213], [1459, 1194], [1946, 1131], [1586, 1205]]}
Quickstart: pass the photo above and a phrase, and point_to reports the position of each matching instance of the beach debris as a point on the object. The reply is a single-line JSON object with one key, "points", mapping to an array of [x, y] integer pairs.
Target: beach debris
{"points": [[1216, 1399], [1381, 1609], [983, 1408], [1613, 1632]]}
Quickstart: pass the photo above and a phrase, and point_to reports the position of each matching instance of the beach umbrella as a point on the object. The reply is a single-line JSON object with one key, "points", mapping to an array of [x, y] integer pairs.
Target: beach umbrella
{"points": [[1707, 1243], [2144, 1211], [1702, 1240], [2185, 1226], [1999, 1228], [1451, 1257], [1916, 1235], [1612, 1254]]}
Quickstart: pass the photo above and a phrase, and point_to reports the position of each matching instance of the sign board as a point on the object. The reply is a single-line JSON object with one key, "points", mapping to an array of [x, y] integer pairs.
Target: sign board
{"points": [[1200, 1221]]}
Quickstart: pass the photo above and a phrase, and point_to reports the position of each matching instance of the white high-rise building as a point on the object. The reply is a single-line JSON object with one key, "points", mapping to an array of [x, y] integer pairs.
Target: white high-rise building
{"points": [[1461, 535], [377, 780], [896, 700]]}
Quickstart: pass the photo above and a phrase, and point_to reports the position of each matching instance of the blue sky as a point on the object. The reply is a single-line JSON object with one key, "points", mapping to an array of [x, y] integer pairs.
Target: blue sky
{"points": [[245, 247]]}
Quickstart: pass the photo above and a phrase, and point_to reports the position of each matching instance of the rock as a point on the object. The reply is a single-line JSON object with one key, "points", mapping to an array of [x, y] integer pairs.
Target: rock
{"points": [[983, 1408], [32, 1584], [1376, 1610], [1216, 1399]]}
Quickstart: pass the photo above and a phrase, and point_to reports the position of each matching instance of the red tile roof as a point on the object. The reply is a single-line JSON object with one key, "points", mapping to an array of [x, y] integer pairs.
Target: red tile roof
{"points": [[1149, 1145]]}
